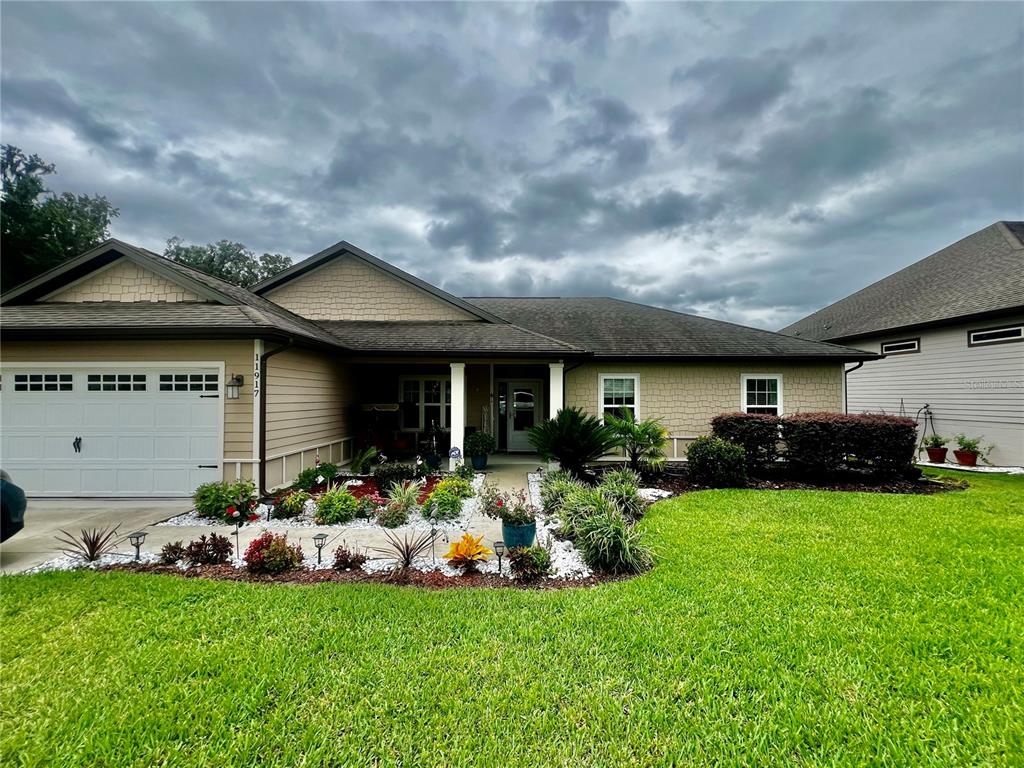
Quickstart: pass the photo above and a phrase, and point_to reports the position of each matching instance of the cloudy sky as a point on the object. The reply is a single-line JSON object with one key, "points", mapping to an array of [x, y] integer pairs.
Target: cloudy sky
{"points": [[748, 162]]}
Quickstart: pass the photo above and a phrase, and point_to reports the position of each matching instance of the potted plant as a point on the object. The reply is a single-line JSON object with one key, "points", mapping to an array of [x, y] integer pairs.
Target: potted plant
{"points": [[433, 457], [478, 446], [935, 445], [969, 450], [518, 518]]}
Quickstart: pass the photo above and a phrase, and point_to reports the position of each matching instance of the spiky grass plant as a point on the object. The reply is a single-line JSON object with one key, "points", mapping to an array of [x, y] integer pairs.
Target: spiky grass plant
{"points": [[90, 544]]}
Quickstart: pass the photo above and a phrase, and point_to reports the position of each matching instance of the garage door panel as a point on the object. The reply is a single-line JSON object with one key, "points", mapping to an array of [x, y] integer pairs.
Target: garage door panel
{"points": [[134, 442]]}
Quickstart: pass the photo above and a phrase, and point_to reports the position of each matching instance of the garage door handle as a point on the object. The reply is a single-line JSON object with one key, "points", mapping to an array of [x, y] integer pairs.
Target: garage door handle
{"points": [[207, 466], [213, 396], [77, 444]]}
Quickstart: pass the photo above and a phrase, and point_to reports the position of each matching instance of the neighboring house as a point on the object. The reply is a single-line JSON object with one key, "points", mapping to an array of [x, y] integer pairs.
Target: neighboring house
{"points": [[128, 374], [951, 330]]}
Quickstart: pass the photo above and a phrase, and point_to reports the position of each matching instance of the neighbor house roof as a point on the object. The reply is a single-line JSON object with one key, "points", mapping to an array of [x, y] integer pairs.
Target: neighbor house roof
{"points": [[226, 307], [613, 328], [981, 275], [464, 338]]}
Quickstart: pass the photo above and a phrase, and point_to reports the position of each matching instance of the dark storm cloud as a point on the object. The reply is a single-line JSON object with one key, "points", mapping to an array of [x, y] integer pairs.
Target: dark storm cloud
{"points": [[748, 161]]}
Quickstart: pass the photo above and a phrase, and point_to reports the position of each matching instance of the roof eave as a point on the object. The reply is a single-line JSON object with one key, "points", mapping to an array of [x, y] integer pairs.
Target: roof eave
{"points": [[945, 322]]}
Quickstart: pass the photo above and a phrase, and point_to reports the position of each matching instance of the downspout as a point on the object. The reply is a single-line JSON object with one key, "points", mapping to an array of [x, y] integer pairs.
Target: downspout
{"points": [[846, 385], [264, 382]]}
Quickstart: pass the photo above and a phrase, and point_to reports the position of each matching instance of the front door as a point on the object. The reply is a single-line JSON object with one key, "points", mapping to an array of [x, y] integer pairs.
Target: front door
{"points": [[522, 413]]}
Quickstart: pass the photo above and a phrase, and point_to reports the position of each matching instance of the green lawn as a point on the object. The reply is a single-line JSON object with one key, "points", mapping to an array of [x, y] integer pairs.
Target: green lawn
{"points": [[785, 628]]}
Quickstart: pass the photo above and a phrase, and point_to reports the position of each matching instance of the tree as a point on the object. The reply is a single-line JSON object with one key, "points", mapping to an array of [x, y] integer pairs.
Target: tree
{"points": [[227, 260], [38, 229], [644, 441]]}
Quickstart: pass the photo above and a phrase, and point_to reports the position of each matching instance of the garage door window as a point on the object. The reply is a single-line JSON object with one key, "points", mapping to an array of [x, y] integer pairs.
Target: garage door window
{"points": [[189, 382], [42, 382], [116, 382]]}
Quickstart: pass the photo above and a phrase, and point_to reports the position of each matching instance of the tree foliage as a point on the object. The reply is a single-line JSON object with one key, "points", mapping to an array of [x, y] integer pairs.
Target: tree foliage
{"points": [[227, 260], [39, 229], [643, 441], [573, 438]]}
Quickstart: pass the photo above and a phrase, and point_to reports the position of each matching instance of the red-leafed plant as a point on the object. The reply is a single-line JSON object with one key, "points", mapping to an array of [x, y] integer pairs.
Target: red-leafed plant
{"points": [[271, 553]]}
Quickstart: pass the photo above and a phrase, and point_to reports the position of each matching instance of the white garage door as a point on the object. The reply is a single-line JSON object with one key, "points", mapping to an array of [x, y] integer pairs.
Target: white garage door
{"points": [[111, 431]]}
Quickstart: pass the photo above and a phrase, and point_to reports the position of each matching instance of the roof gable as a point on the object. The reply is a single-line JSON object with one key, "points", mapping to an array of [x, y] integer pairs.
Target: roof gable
{"points": [[344, 282], [982, 274], [123, 281]]}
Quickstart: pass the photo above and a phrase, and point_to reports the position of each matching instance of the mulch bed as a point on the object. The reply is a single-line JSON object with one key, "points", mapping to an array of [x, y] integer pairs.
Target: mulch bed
{"points": [[678, 483], [410, 578], [369, 485]]}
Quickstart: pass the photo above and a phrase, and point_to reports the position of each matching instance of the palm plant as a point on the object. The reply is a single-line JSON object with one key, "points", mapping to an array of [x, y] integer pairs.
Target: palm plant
{"points": [[573, 438], [644, 441]]}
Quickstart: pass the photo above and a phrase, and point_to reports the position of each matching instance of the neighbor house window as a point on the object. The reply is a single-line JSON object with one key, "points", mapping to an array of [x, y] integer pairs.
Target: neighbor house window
{"points": [[42, 382], [618, 391], [995, 335], [116, 382], [762, 393], [426, 401], [189, 382], [901, 347]]}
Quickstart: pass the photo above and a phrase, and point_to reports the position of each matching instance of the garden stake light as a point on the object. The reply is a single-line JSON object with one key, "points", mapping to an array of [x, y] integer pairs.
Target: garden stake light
{"points": [[433, 537], [318, 541], [499, 550], [236, 539], [136, 540]]}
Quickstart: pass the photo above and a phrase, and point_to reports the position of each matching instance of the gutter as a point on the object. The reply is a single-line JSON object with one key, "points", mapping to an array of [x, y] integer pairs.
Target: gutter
{"points": [[264, 382], [846, 387]]}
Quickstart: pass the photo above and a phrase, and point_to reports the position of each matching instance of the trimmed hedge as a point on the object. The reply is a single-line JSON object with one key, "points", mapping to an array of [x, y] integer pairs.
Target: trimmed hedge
{"points": [[758, 433], [822, 443], [717, 463]]}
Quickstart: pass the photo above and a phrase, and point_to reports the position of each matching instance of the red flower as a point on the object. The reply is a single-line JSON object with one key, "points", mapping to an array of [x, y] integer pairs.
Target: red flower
{"points": [[501, 503], [253, 518], [231, 510]]}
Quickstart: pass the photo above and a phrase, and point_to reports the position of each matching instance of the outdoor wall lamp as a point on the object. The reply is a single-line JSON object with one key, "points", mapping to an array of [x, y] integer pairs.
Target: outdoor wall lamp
{"points": [[136, 540], [318, 541], [234, 386], [499, 550]]}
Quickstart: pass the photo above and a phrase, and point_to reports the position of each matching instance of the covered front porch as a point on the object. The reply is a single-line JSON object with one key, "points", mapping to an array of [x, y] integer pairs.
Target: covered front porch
{"points": [[406, 408]]}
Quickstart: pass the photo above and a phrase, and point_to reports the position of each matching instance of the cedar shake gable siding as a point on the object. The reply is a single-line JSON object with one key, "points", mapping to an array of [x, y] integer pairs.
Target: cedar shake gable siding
{"points": [[124, 281]]}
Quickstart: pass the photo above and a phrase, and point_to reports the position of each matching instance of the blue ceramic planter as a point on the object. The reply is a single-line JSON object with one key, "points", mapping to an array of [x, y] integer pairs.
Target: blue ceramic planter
{"points": [[519, 535], [479, 462]]}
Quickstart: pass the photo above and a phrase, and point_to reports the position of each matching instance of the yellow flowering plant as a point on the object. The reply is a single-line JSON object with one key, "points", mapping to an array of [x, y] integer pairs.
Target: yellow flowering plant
{"points": [[467, 552]]}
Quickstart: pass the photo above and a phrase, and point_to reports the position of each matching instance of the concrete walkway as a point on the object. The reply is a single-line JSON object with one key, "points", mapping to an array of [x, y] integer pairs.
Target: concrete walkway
{"points": [[37, 541]]}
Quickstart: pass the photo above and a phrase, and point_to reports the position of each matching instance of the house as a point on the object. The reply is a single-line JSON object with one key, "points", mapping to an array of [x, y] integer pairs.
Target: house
{"points": [[950, 330], [128, 374]]}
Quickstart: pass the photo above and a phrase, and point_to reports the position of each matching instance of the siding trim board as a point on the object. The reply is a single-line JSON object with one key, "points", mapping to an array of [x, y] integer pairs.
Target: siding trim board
{"points": [[971, 342]]}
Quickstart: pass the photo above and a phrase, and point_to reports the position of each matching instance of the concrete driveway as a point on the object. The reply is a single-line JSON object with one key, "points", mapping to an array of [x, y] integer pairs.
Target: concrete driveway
{"points": [[37, 541]]}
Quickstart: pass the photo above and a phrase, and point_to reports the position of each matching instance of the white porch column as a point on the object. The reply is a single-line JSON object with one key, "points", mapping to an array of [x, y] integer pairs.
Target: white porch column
{"points": [[458, 425], [556, 400]]}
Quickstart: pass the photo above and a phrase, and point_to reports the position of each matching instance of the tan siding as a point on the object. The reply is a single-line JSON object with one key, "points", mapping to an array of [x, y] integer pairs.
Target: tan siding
{"points": [[124, 281], [309, 402], [978, 391], [686, 396], [349, 289], [237, 357]]}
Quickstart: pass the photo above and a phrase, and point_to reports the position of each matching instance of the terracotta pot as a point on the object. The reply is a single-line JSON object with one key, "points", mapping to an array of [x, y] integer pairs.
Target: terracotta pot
{"points": [[966, 458], [937, 455]]}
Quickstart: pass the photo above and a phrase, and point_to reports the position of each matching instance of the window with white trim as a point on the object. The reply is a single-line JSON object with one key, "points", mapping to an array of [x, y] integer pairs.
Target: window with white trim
{"points": [[43, 382], [995, 335], [189, 382], [762, 393], [116, 382], [619, 391], [425, 401], [903, 347]]}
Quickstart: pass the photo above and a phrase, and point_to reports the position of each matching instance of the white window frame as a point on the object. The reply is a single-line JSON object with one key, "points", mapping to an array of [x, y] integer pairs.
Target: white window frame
{"points": [[743, 390], [916, 348], [602, 377], [971, 342], [445, 404]]}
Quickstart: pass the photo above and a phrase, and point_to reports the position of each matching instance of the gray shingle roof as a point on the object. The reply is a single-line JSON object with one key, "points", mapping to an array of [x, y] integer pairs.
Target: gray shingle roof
{"points": [[615, 328], [983, 273], [469, 337], [82, 317]]}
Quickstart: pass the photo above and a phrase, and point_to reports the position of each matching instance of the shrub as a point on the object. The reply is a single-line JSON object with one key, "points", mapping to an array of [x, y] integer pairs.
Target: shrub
{"points": [[271, 553], [443, 504], [392, 472], [457, 486], [90, 544], [510, 507], [212, 550], [529, 563], [467, 552], [610, 544], [758, 433], [622, 486], [405, 495], [480, 444], [392, 515], [336, 506], [581, 504], [369, 504], [815, 442], [465, 471], [820, 443], [172, 552], [405, 550], [717, 463], [212, 499], [554, 488], [346, 559], [290, 506], [360, 464], [310, 476], [643, 441], [573, 438]]}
